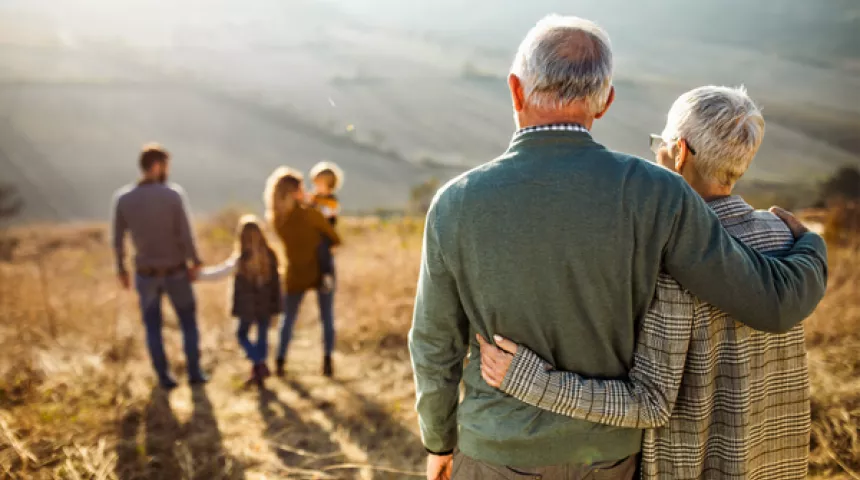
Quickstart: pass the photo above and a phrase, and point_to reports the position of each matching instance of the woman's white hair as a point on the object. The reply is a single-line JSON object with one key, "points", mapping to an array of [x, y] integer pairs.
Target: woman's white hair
{"points": [[722, 125], [563, 60]]}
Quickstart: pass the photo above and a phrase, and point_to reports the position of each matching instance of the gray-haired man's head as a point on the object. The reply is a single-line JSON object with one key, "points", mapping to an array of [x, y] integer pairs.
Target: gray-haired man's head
{"points": [[564, 62], [716, 131]]}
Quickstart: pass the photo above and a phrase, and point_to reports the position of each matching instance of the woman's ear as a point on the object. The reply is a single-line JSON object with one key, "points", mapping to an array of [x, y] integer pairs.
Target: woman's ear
{"points": [[682, 154]]}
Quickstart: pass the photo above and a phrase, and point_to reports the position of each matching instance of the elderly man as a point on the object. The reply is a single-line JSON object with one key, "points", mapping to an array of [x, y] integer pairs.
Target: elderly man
{"points": [[724, 421], [156, 215], [558, 244]]}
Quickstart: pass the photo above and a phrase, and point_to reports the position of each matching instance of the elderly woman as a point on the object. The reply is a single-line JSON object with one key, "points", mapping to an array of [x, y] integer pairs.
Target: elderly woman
{"points": [[720, 399], [301, 230]]}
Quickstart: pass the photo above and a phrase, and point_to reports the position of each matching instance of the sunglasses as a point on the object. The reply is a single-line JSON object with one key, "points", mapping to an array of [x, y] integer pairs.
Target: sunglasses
{"points": [[657, 142]]}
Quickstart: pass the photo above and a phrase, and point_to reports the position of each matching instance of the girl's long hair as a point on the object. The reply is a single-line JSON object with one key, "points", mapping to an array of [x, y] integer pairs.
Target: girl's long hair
{"points": [[278, 196], [252, 252]]}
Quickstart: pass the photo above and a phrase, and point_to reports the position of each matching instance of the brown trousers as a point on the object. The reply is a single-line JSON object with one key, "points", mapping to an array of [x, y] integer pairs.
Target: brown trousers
{"points": [[466, 468]]}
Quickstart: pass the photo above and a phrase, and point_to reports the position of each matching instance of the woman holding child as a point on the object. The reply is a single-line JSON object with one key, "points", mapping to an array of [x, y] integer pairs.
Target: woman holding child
{"points": [[302, 230]]}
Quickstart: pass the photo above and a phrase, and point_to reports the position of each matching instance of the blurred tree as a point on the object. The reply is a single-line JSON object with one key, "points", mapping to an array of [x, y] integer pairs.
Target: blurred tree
{"points": [[844, 185], [422, 194], [10, 203]]}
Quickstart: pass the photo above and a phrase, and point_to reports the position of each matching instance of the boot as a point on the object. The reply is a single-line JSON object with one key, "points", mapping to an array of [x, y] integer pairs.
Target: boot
{"points": [[199, 378], [328, 368], [167, 382], [279, 367], [259, 374], [254, 378]]}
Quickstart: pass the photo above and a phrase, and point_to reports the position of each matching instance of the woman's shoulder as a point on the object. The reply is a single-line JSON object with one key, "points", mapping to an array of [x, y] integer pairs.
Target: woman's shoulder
{"points": [[301, 214], [307, 209], [312, 215]]}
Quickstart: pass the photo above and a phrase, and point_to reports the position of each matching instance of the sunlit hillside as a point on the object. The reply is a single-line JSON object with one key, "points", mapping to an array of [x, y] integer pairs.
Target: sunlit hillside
{"points": [[396, 94], [77, 399]]}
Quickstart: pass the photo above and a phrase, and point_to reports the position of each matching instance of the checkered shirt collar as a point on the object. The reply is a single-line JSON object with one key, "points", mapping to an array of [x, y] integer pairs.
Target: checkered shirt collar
{"points": [[556, 127]]}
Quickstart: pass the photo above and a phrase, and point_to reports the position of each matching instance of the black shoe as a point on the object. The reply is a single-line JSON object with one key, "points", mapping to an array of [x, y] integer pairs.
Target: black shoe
{"points": [[168, 383], [279, 367], [257, 376], [199, 379], [328, 368]]}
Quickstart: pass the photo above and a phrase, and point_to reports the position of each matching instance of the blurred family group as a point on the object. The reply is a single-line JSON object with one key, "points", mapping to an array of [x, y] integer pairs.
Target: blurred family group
{"points": [[156, 215], [621, 317]]}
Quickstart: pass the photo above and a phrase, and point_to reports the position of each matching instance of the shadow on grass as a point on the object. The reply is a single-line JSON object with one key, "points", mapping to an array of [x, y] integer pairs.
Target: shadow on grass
{"points": [[300, 446], [385, 440], [154, 445]]}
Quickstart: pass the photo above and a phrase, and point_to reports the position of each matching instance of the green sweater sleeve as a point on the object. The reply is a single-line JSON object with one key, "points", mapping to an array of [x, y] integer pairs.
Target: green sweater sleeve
{"points": [[765, 293], [438, 345]]}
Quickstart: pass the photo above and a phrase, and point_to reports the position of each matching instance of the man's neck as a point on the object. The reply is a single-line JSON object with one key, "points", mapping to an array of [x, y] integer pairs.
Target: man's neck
{"points": [[537, 119], [148, 180]]}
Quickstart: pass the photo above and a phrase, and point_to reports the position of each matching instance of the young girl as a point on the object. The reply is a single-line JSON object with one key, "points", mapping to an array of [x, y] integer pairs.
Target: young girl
{"points": [[256, 291]]}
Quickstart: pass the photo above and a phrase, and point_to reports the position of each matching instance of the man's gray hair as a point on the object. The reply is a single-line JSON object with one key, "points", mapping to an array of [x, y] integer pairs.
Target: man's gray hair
{"points": [[722, 125], [563, 60]]}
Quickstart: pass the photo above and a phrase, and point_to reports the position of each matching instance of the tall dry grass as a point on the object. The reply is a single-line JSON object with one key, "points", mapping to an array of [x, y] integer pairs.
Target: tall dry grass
{"points": [[76, 390], [833, 338], [76, 396]]}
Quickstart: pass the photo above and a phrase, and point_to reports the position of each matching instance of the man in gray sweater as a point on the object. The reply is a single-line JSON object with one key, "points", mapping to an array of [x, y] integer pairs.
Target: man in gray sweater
{"points": [[558, 245], [166, 260]]}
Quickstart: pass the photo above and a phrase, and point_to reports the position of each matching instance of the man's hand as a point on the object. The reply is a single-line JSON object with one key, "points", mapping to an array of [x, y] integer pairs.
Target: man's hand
{"points": [[496, 360], [124, 280], [797, 228], [439, 467], [194, 272]]}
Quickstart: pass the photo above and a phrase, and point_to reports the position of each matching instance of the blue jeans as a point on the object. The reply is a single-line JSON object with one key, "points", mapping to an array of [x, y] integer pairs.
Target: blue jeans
{"points": [[178, 289], [292, 302], [324, 256], [256, 352]]}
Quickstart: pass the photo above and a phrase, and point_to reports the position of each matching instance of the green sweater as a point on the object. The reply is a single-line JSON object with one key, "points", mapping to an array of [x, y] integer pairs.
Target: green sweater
{"points": [[557, 245]]}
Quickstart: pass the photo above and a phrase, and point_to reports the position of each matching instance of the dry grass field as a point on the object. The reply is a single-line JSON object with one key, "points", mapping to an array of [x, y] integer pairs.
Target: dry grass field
{"points": [[77, 399]]}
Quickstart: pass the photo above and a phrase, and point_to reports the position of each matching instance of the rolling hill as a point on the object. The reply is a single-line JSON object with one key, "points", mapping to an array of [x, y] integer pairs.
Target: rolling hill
{"points": [[395, 93]]}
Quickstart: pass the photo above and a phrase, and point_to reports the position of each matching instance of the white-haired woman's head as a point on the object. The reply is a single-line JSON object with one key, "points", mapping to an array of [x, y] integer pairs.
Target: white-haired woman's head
{"points": [[721, 128]]}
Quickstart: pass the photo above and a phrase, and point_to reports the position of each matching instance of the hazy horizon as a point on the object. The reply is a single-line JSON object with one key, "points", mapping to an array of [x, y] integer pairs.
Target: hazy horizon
{"points": [[395, 92]]}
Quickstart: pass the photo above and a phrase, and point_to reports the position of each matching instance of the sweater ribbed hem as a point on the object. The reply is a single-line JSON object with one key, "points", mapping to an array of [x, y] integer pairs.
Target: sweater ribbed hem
{"points": [[584, 449]]}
